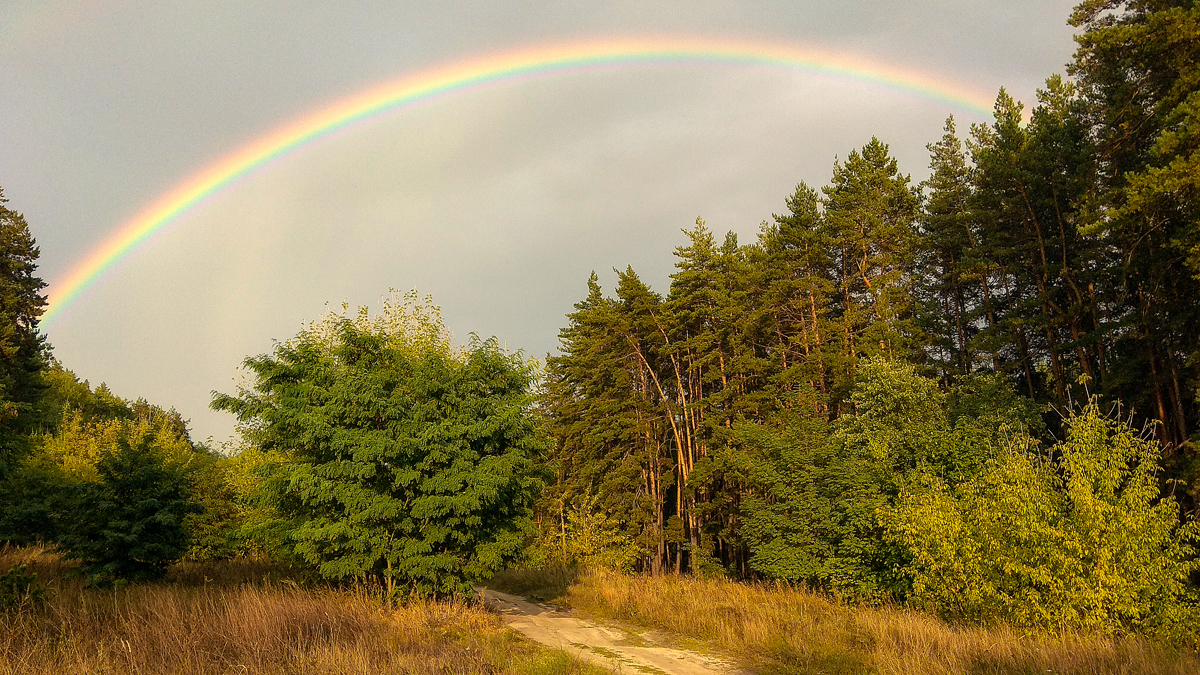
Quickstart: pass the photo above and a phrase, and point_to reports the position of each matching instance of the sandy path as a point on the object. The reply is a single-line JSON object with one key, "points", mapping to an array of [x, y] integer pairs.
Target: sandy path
{"points": [[624, 651]]}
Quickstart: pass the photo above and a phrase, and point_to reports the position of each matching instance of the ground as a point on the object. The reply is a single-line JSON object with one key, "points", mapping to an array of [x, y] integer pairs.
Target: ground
{"points": [[619, 647]]}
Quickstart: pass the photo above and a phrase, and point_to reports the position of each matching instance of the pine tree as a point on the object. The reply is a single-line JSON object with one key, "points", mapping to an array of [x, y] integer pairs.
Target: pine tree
{"points": [[871, 212], [22, 348], [610, 420], [954, 285]]}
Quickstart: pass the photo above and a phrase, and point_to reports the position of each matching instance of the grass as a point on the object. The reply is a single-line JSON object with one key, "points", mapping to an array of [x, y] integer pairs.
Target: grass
{"points": [[251, 617], [777, 629]]}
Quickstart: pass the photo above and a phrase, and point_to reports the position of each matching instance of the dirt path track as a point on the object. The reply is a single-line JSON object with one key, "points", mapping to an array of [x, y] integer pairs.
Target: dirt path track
{"points": [[625, 651]]}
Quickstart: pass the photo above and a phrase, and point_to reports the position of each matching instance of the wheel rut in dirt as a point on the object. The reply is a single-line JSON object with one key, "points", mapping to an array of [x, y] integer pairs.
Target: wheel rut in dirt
{"points": [[624, 650]]}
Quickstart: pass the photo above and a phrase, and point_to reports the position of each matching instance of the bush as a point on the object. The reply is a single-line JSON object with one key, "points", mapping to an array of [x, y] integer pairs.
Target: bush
{"points": [[130, 524], [1077, 538], [19, 588], [813, 517]]}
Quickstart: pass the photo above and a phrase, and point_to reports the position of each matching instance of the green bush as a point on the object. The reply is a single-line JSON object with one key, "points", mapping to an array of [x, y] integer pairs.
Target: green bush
{"points": [[1075, 538], [130, 522], [20, 588], [813, 516]]}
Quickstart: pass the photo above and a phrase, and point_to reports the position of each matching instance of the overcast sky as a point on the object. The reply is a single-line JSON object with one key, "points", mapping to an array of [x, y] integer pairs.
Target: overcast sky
{"points": [[498, 202]]}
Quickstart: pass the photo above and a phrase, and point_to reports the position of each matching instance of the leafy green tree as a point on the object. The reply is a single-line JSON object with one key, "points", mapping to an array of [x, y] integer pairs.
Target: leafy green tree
{"points": [[402, 458], [128, 524], [1074, 538]]}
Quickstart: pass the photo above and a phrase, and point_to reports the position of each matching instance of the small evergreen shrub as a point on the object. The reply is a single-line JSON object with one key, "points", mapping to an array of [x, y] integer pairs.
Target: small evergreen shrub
{"points": [[19, 588]]}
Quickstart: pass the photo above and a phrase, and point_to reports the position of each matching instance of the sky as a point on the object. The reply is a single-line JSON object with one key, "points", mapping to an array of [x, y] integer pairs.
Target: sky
{"points": [[498, 201]]}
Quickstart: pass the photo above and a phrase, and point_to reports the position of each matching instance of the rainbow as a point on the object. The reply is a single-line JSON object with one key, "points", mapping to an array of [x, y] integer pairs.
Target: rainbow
{"points": [[468, 75]]}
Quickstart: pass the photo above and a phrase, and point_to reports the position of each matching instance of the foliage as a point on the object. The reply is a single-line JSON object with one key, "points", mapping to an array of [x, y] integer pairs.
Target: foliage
{"points": [[20, 588], [393, 455], [34, 503], [1075, 538], [39, 497], [813, 516], [65, 391], [213, 531], [22, 348], [130, 520], [79, 444], [584, 537]]}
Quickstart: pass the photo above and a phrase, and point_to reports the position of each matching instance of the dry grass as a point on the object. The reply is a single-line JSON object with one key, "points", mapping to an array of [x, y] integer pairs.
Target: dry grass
{"points": [[778, 629], [239, 618]]}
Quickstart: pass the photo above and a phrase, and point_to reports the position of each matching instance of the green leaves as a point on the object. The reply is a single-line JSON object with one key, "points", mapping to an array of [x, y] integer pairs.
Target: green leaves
{"points": [[129, 524], [1074, 538], [402, 458]]}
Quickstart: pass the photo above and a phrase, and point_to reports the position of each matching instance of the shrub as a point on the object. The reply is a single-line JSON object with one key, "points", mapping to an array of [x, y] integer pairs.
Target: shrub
{"points": [[130, 523], [18, 588], [1077, 538]]}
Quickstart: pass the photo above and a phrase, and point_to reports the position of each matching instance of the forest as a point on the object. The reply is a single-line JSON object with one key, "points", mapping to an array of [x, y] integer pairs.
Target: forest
{"points": [[976, 397]]}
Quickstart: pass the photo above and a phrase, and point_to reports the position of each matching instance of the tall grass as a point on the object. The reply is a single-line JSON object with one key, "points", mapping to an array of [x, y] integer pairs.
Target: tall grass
{"points": [[239, 619], [780, 629]]}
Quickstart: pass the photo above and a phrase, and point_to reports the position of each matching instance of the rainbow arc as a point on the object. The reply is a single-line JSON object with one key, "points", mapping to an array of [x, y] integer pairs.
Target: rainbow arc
{"points": [[502, 68]]}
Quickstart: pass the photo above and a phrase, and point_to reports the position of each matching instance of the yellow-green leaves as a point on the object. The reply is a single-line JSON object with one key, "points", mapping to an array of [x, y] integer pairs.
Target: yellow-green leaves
{"points": [[1074, 538], [79, 444]]}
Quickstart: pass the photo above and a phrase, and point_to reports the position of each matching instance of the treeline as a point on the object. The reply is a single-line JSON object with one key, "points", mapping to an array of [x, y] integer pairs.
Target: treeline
{"points": [[373, 451], [976, 395], [785, 399]]}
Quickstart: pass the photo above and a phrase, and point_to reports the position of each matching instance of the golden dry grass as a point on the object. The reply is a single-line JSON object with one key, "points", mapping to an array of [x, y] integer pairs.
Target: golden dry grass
{"points": [[779, 629], [227, 625]]}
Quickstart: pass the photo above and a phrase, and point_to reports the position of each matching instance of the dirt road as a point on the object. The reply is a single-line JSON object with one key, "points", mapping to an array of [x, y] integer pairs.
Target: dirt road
{"points": [[621, 649]]}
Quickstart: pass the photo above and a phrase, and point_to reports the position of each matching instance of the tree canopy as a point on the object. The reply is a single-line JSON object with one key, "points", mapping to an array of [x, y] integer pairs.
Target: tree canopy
{"points": [[399, 457]]}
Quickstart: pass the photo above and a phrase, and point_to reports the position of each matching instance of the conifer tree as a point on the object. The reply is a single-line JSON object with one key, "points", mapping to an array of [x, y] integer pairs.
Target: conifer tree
{"points": [[871, 211], [954, 284], [22, 347], [128, 525]]}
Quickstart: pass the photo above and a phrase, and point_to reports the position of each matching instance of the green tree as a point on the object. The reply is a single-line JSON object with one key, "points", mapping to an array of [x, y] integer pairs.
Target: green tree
{"points": [[403, 458], [128, 524], [953, 284], [1074, 538], [797, 273], [22, 347], [871, 215]]}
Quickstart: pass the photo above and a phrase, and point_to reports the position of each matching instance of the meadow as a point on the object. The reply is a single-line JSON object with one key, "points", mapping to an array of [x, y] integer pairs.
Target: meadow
{"points": [[780, 629], [251, 617]]}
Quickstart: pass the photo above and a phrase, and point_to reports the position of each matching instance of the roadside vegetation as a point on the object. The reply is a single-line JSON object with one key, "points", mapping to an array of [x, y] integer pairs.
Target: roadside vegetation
{"points": [[779, 628], [246, 616]]}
